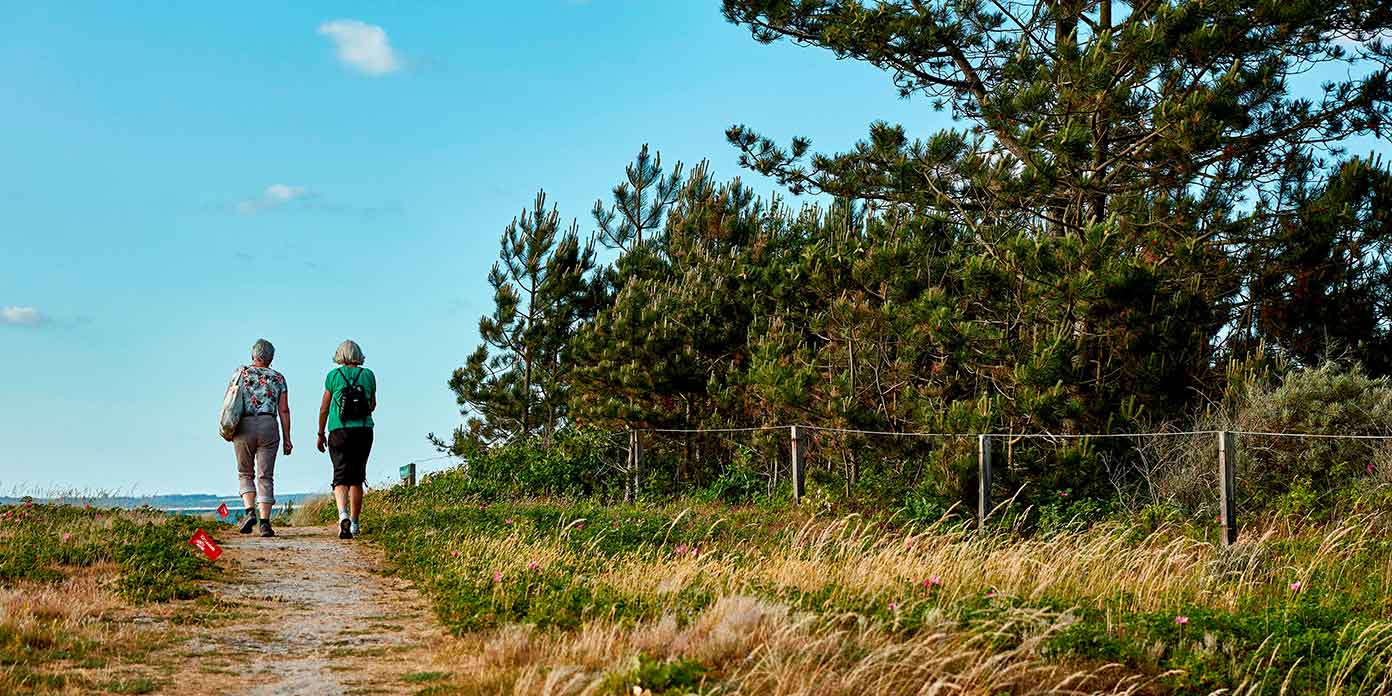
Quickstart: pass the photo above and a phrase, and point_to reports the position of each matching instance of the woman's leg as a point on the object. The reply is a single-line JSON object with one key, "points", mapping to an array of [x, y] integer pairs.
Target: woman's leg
{"points": [[265, 465], [363, 447], [244, 444], [355, 495], [341, 497]]}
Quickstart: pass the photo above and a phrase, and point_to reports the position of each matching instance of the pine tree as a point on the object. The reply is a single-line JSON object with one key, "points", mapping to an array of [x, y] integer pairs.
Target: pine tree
{"points": [[516, 382], [639, 202], [1099, 188]]}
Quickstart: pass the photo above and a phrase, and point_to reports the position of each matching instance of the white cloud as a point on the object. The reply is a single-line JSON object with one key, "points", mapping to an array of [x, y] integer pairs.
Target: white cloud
{"points": [[362, 46], [274, 196], [20, 316]]}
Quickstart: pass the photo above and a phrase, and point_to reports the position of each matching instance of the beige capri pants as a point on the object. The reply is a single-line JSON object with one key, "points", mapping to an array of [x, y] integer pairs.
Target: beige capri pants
{"points": [[256, 442]]}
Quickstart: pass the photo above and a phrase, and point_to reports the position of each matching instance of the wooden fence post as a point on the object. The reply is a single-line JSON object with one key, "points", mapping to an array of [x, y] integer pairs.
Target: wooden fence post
{"points": [[635, 460], [1227, 486], [408, 474], [799, 478], [983, 494]]}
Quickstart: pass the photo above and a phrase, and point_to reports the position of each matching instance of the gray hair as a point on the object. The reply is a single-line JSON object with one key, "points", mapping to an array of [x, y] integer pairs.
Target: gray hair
{"points": [[263, 351], [349, 353]]}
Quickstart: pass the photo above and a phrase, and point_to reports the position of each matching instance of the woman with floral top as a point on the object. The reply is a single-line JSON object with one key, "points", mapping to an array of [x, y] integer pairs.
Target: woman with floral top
{"points": [[264, 402]]}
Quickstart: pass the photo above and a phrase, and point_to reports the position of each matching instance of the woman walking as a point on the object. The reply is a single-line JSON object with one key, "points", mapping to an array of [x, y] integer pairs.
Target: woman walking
{"points": [[257, 438], [345, 426]]}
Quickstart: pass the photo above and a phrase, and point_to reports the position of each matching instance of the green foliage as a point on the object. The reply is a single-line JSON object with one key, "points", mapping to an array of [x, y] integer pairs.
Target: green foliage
{"points": [[37, 544], [578, 462], [1296, 473], [1308, 641], [1070, 513], [738, 483], [678, 677], [423, 677]]}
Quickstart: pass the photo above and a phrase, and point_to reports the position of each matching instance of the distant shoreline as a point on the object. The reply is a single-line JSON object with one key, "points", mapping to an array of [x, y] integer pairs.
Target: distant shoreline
{"points": [[194, 503]]}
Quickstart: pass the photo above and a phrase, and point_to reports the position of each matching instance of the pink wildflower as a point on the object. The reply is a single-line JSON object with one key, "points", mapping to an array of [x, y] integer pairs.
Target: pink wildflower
{"points": [[455, 553], [681, 550], [991, 594], [67, 537], [894, 606], [579, 526], [1371, 468], [1295, 586], [497, 577], [616, 524], [1181, 620], [507, 520], [533, 565]]}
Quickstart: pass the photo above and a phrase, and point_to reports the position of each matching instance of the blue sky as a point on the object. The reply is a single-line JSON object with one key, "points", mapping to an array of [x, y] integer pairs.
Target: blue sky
{"points": [[182, 179]]}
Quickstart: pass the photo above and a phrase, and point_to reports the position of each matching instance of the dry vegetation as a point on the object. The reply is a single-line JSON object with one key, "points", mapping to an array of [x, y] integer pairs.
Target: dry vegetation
{"points": [[70, 581], [579, 598]]}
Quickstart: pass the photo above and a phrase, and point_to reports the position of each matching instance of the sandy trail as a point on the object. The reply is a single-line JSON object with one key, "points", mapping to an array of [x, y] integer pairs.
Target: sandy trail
{"points": [[307, 615]]}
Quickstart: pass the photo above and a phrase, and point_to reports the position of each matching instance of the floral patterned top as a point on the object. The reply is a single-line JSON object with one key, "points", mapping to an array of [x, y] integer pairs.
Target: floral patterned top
{"points": [[261, 390]]}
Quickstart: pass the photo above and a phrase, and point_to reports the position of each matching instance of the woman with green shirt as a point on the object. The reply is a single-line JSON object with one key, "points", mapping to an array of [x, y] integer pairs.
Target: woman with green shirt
{"points": [[345, 426]]}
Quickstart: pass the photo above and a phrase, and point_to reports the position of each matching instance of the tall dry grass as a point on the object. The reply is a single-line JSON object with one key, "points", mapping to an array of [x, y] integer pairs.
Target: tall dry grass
{"points": [[312, 511], [1107, 567], [867, 576], [766, 648]]}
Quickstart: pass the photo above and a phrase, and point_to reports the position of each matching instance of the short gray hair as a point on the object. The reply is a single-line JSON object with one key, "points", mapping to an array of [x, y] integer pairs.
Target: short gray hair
{"points": [[349, 353], [263, 350]]}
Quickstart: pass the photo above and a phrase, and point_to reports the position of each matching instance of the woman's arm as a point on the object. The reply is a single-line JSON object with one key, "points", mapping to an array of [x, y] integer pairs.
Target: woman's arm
{"points": [[285, 423], [324, 417]]}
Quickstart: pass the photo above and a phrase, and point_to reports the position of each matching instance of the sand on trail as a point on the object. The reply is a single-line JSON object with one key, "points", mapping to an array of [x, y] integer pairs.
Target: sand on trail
{"points": [[307, 613]]}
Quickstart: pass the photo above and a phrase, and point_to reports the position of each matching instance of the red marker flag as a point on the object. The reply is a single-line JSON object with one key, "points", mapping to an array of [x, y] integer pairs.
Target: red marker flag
{"points": [[223, 511], [206, 545]]}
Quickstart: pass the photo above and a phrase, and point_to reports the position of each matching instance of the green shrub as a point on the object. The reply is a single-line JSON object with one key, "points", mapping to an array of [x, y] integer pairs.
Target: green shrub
{"points": [[679, 676], [739, 483], [1294, 475], [1327, 399], [578, 462]]}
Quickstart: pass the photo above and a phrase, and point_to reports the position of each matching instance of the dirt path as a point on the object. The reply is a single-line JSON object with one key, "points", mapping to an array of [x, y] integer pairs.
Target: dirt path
{"points": [[307, 614]]}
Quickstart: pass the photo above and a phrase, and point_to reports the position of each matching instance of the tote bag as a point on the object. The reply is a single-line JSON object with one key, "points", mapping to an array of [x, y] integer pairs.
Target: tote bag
{"points": [[231, 407]]}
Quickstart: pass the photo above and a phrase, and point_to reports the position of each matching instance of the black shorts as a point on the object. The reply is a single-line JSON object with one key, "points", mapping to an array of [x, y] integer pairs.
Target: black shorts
{"points": [[348, 450]]}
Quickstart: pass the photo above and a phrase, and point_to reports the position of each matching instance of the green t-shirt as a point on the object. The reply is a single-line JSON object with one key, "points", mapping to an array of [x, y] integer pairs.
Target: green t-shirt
{"points": [[334, 384]]}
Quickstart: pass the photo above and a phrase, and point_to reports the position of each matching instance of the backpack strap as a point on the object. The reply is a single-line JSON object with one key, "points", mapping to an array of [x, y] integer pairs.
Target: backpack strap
{"points": [[356, 377]]}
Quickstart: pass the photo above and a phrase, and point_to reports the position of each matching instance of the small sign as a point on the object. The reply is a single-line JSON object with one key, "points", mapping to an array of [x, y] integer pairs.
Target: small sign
{"points": [[206, 545], [223, 512], [405, 471]]}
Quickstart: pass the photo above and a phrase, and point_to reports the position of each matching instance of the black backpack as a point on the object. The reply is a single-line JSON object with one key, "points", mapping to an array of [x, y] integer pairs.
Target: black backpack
{"points": [[353, 404]]}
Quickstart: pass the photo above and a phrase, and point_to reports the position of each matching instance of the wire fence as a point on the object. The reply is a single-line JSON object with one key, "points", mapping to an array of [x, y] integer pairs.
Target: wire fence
{"points": [[787, 451]]}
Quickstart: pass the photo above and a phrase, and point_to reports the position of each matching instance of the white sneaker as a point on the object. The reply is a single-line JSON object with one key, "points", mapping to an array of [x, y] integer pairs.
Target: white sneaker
{"points": [[356, 529]]}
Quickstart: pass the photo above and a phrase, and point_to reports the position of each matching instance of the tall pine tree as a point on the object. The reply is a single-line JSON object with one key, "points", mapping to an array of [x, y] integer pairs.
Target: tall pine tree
{"points": [[516, 382]]}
